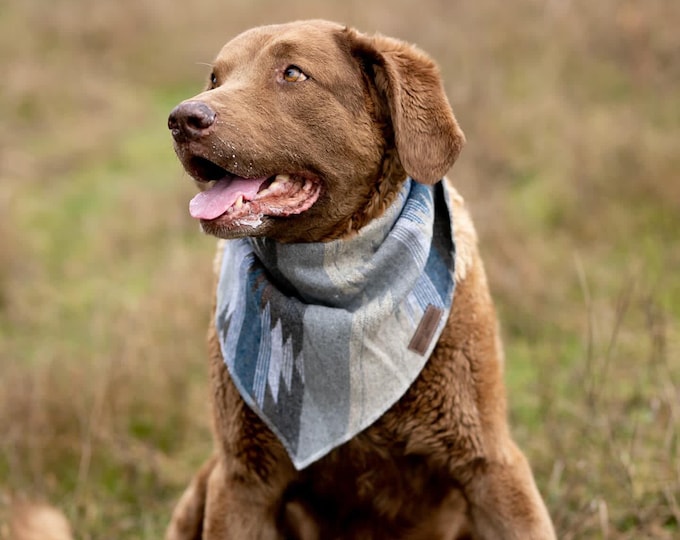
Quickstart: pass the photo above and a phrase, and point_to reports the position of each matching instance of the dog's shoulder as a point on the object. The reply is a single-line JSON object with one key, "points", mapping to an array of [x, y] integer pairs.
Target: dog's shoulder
{"points": [[464, 232]]}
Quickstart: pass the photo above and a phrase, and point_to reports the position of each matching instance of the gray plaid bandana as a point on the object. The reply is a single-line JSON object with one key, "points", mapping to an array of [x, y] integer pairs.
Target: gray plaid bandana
{"points": [[322, 338]]}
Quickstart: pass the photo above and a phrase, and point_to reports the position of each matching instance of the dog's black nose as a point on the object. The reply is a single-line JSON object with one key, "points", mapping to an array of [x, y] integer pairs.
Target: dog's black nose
{"points": [[190, 120]]}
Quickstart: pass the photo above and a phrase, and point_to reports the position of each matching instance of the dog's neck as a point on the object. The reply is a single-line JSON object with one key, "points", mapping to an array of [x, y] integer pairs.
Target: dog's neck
{"points": [[321, 338], [303, 269], [389, 180]]}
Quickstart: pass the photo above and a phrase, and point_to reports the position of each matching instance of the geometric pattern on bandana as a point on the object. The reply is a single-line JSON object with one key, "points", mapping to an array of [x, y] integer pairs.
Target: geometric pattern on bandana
{"points": [[316, 335]]}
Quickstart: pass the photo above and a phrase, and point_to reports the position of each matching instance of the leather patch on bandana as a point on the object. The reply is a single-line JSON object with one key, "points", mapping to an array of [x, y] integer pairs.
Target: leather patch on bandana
{"points": [[422, 337]]}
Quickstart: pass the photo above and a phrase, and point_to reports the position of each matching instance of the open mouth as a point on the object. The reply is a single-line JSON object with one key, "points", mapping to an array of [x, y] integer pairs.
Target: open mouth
{"points": [[237, 200]]}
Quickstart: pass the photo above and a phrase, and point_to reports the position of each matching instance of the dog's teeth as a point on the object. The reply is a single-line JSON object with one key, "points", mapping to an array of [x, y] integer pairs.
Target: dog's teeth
{"points": [[281, 178], [239, 202]]}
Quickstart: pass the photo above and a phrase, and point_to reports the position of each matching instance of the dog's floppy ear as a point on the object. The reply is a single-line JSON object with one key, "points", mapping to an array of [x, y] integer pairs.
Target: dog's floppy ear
{"points": [[426, 134]]}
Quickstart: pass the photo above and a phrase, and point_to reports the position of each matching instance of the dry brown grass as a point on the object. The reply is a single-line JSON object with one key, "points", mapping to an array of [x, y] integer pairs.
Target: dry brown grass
{"points": [[572, 113]]}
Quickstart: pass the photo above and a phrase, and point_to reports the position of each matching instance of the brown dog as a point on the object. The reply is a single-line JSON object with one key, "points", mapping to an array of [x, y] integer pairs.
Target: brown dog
{"points": [[317, 127]]}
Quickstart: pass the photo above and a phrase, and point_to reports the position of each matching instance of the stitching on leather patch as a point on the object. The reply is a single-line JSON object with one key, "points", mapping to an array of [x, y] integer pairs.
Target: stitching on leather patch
{"points": [[423, 335]]}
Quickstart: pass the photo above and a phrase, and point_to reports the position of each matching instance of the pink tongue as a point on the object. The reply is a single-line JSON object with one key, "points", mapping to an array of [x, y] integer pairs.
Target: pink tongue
{"points": [[218, 199]]}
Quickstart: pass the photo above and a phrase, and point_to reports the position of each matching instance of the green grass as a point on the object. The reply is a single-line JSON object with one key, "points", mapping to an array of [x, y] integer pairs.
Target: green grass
{"points": [[572, 172]]}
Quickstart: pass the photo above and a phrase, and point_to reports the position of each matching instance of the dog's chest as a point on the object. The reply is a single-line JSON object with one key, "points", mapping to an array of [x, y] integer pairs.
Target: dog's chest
{"points": [[363, 493]]}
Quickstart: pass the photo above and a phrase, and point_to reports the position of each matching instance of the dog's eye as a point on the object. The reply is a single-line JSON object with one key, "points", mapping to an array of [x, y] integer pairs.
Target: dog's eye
{"points": [[213, 80], [293, 74]]}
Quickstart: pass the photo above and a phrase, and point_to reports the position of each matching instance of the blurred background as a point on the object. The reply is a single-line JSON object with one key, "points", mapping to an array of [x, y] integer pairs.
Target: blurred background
{"points": [[572, 171]]}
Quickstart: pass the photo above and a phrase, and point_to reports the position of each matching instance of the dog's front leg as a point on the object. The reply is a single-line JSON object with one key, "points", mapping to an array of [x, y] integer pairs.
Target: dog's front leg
{"points": [[227, 499], [240, 506], [504, 501], [237, 511], [246, 486], [245, 489], [188, 515]]}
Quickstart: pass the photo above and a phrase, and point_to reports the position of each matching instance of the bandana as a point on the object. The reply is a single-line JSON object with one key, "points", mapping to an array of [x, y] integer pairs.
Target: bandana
{"points": [[322, 338]]}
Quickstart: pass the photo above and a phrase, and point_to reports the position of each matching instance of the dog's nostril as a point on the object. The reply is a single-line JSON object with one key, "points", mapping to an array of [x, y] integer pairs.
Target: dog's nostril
{"points": [[172, 121], [200, 116], [190, 119]]}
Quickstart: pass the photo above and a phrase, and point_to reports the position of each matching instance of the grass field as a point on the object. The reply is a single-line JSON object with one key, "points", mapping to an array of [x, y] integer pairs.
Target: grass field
{"points": [[572, 169]]}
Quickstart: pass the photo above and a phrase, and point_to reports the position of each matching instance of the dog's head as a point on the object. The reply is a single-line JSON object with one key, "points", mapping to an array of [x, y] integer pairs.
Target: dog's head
{"points": [[307, 130]]}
